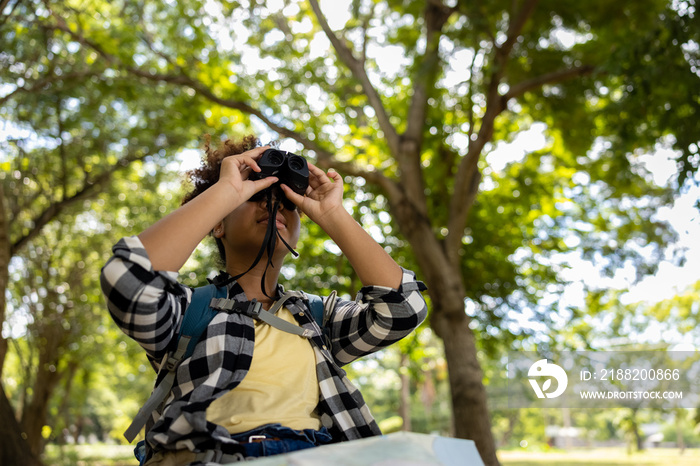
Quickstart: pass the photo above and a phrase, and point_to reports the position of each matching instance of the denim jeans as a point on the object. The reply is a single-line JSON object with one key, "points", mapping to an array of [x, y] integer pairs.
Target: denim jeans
{"points": [[289, 440]]}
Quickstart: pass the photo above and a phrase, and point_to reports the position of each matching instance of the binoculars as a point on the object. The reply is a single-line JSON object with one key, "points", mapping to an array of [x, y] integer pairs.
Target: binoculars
{"points": [[291, 169]]}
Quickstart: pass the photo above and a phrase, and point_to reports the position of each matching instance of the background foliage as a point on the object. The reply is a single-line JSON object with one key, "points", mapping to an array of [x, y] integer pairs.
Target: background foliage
{"points": [[100, 100]]}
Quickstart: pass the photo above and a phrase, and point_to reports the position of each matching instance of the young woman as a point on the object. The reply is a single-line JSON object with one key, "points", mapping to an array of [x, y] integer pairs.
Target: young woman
{"points": [[250, 389]]}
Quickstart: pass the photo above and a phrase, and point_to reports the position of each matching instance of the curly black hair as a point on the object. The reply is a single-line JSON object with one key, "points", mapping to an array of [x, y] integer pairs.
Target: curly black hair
{"points": [[206, 175]]}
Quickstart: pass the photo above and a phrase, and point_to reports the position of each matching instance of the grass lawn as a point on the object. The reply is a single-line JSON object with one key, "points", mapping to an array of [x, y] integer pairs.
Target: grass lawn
{"points": [[601, 457], [89, 455]]}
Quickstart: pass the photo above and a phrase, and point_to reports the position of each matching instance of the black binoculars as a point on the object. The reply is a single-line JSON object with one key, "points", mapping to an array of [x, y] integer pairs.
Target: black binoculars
{"points": [[291, 169]]}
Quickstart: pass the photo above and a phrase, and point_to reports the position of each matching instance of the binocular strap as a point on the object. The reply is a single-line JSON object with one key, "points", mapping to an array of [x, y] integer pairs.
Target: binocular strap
{"points": [[269, 243]]}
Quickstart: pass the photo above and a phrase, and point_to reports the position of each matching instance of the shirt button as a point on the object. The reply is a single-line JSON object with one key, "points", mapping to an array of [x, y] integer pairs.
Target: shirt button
{"points": [[324, 347], [301, 313]]}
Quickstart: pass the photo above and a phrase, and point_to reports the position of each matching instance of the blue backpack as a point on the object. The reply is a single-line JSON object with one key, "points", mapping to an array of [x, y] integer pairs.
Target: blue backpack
{"points": [[207, 301], [203, 307]]}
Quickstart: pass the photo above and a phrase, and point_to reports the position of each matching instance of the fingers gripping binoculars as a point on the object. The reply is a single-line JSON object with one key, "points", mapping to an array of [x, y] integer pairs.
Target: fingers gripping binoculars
{"points": [[291, 169]]}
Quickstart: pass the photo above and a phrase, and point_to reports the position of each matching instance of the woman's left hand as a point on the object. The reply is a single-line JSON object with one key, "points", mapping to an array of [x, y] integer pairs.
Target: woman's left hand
{"points": [[324, 196]]}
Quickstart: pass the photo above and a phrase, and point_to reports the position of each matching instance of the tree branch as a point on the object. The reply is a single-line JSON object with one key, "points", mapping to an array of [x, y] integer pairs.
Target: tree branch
{"points": [[555, 76], [148, 40], [424, 80], [61, 25], [482, 16], [358, 71], [184, 79], [389, 186], [3, 4], [39, 85], [516, 25], [17, 206], [324, 157], [502, 52], [468, 177], [89, 189], [436, 15], [470, 95], [207, 93]]}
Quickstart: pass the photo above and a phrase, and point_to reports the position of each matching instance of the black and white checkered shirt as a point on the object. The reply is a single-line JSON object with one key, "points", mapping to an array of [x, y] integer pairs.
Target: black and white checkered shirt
{"points": [[148, 306]]}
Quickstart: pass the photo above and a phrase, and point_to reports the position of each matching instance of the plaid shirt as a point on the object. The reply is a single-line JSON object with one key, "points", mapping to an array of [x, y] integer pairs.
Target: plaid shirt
{"points": [[148, 306]]}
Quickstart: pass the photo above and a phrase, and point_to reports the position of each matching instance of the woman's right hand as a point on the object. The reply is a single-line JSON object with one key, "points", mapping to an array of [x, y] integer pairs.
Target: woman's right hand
{"points": [[235, 173]]}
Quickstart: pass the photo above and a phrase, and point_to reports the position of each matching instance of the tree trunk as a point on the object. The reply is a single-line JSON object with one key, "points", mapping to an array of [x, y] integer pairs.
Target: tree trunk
{"points": [[35, 413], [4, 272], [634, 429], [450, 322], [638, 439], [680, 441], [513, 417], [405, 400], [64, 418], [14, 450], [566, 420], [470, 413], [13, 445]]}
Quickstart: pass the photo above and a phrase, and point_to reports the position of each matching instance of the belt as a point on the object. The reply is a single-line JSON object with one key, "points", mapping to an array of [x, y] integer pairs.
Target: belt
{"points": [[208, 456], [260, 438]]}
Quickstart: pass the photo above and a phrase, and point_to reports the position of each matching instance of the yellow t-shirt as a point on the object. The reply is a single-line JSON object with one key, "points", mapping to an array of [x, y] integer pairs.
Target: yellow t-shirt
{"points": [[280, 387]]}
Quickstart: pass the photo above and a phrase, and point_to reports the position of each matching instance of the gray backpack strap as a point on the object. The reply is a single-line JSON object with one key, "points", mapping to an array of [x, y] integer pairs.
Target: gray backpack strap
{"points": [[160, 393], [255, 310], [328, 308]]}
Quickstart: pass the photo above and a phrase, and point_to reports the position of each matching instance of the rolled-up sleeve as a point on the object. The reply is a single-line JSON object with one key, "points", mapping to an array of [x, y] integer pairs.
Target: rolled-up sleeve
{"points": [[146, 304], [378, 317]]}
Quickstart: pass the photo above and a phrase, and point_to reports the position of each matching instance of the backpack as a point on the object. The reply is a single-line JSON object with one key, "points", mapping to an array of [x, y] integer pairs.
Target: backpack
{"points": [[206, 303]]}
